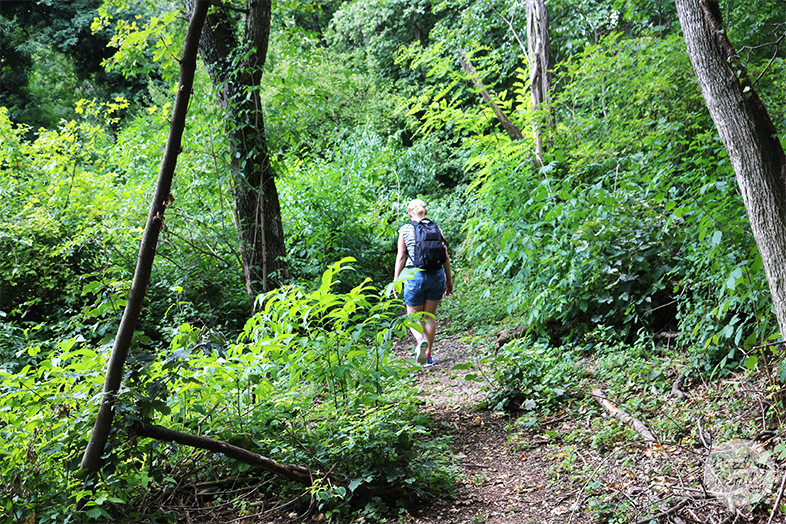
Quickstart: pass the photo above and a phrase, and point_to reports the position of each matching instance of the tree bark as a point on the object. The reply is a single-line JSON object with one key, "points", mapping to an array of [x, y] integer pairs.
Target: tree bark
{"points": [[540, 76], [91, 460], [748, 133], [623, 417], [513, 131], [299, 474], [257, 207]]}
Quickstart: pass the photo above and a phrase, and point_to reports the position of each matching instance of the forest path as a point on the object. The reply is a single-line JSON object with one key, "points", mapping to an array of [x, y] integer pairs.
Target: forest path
{"points": [[501, 483], [511, 474]]}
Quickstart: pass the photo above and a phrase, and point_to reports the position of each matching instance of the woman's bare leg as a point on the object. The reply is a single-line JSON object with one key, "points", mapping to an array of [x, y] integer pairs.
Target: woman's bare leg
{"points": [[415, 332], [430, 322]]}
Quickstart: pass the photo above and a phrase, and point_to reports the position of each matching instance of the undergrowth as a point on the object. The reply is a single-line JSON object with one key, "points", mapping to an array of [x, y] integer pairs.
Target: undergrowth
{"points": [[310, 381]]}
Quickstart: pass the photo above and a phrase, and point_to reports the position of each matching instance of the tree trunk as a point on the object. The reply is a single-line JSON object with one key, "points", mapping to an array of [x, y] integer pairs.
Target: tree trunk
{"points": [[257, 207], [299, 474], [539, 54], [748, 134], [513, 131], [91, 460]]}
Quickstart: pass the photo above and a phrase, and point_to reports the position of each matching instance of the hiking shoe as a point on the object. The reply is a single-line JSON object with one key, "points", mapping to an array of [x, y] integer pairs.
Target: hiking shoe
{"points": [[420, 351], [429, 361]]}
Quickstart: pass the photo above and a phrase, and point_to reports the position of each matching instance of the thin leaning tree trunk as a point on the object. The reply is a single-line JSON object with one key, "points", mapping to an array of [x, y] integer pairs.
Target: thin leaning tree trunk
{"points": [[510, 128], [91, 460], [748, 133]]}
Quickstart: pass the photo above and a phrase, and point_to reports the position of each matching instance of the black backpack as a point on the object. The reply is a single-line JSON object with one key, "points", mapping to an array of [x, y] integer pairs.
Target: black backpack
{"points": [[429, 253]]}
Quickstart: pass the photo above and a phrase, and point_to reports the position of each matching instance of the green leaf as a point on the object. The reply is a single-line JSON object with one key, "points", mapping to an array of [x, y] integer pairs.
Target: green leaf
{"points": [[96, 513]]}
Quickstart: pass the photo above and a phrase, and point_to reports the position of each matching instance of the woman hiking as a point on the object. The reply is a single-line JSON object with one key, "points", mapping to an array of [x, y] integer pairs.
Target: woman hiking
{"points": [[423, 254]]}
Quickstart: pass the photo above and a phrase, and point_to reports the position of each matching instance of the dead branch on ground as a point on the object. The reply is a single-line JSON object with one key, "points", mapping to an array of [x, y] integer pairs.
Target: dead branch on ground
{"points": [[623, 417], [300, 474]]}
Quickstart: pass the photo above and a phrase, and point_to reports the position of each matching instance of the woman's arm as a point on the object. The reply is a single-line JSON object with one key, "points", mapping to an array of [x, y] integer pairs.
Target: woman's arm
{"points": [[448, 274], [401, 257]]}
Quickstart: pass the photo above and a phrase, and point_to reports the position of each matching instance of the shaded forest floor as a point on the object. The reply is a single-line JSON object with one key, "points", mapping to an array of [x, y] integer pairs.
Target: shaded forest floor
{"points": [[582, 466], [576, 466]]}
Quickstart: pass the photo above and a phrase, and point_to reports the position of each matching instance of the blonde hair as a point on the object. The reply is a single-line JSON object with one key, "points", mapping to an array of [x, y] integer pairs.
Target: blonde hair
{"points": [[418, 207]]}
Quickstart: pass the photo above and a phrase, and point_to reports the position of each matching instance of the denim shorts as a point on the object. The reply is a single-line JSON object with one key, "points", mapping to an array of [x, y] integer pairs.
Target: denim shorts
{"points": [[424, 286]]}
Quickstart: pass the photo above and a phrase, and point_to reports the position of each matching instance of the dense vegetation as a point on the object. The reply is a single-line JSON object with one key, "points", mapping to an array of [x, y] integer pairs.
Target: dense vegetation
{"points": [[632, 226]]}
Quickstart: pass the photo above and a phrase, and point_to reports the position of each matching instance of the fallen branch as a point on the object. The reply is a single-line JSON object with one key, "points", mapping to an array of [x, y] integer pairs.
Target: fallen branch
{"points": [[777, 505], [299, 474], [664, 513], [676, 390], [623, 417]]}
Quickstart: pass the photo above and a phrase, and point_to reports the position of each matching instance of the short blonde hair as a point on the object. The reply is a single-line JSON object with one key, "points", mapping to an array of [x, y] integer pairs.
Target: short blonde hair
{"points": [[417, 206]]}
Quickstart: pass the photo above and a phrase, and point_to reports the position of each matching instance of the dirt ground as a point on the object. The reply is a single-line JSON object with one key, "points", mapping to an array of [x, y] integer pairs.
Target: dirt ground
{"points": [[501, 485], [513, 475]]}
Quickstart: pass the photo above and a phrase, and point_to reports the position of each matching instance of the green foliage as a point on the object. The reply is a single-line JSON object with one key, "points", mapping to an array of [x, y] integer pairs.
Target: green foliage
{"points": [[353, 203], [338, 208], [622, 94], [373, 32], [626, 218], [315, 102], [308, 19], [633, 227], [56, 215], [197, 263], [310, 382], [43, 422], [533, 376], [477, 304], [51, 59]]}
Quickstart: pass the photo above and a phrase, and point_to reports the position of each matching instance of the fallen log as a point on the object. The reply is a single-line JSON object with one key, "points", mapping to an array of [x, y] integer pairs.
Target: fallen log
{"points": [[300, 474], [623, 417]]}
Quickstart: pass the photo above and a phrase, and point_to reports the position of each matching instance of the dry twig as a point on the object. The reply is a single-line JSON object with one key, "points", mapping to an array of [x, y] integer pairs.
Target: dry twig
{"points": [[777, 500], [664, 513], [620, 415]]}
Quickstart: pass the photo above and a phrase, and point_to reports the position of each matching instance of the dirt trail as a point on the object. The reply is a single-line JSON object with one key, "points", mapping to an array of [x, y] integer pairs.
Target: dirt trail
{"points": [[501, 484]]}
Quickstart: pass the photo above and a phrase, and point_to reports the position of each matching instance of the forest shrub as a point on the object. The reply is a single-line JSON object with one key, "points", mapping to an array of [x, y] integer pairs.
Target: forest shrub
{"points": [[311, 381], [633, 221], [353, 203], [533, 376]]}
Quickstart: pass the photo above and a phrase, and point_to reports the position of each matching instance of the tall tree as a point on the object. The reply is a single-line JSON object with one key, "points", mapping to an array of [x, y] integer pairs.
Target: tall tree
{"points": [[748, 133], [235, 67], [539, 55]]}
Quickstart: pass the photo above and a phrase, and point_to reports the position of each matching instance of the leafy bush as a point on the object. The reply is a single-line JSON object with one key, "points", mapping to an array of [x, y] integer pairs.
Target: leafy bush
{"points": [[533, 376], [477, 304], [634, 221], [310, 381], [352, 204]]}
